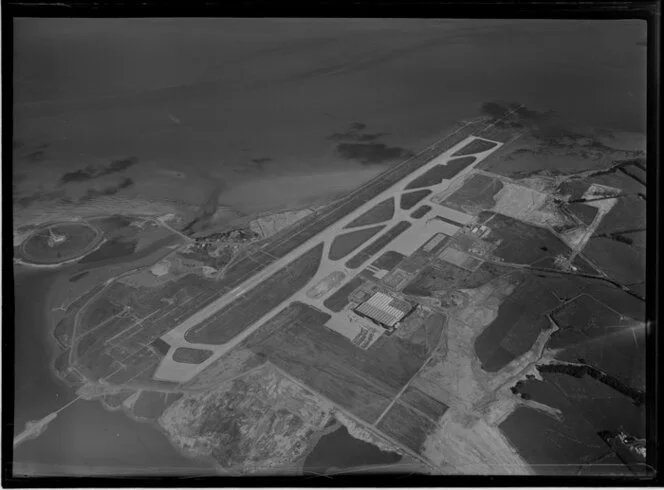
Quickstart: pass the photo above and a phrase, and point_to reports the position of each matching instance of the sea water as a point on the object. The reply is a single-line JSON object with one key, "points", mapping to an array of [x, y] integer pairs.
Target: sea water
{"points": [[85, 438]]}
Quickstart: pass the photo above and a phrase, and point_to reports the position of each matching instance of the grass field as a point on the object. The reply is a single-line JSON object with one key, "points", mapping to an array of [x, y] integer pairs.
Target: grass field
{"points": [[476, 194], [143, 362], [235, 363], [115, 225], [344, 244], [638, 238], [374, 247], [613, 387], [521, 317], [112, 249], [436, 174], [407, 426], [565, 153], [628, 213], [90, 351], [97, 366], [432, 279], [575, 188], [64, 330], [624, 263], [582, 319], [410, 199], [188, 355], [521, 243], [78, 276], [255, 303], [421, 211], [382, 211], [620, 354], [100, 310], [584, 266], [339, 299], [161, 309], [447, 276], [582, 211], [363, 381], [550, 447], [388, 260], [323, 360], [419, 400], [161, 346], [588, 407], [475, 146], [242, 267], [620, 180], [568, 287], [601, 405]]}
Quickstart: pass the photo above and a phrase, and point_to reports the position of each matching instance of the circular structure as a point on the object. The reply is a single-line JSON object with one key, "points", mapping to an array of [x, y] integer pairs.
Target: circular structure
{"points": [[61, 242]]}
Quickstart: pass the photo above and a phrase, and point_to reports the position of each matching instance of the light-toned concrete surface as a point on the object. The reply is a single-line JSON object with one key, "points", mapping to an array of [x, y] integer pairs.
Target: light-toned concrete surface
{"points": [[454, 215], [435, 225], [325, 285], [356, 329], [518, 201]]}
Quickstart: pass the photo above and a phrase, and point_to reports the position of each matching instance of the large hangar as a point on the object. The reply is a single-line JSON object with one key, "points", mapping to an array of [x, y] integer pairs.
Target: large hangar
{"points": [[384, 309]]}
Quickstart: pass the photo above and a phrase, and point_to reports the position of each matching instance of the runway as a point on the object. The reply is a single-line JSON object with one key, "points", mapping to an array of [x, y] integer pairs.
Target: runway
{"points": [[170, 370]]}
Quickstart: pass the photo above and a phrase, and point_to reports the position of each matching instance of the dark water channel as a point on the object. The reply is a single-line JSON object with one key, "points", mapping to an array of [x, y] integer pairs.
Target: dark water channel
{"points": [[338, 450]]}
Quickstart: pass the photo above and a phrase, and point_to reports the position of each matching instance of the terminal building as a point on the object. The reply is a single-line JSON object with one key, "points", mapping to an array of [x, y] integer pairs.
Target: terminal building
{"points": [[384, 310]]}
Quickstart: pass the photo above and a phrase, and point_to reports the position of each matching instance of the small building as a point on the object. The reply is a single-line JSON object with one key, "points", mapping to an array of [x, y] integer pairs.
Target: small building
{"points": [[384, 309]]}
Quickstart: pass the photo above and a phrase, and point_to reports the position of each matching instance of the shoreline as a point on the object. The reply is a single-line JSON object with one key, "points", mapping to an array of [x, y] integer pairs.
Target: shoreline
{"points": [[48, 324], [129, 413], [209, 464], [49, 327], [292, 206], [56, 350]]}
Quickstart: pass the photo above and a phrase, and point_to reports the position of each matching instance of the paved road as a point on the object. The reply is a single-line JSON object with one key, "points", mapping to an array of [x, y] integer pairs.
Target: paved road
{"points": [[162, 221]]}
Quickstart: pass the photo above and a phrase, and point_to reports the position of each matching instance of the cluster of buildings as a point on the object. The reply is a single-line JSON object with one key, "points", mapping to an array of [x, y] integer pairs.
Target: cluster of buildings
{"points": [[378, 308], [384, 308]]}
